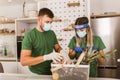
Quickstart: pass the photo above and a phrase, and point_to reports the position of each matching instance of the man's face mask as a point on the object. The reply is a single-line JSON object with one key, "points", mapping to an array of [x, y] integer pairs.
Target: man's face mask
{"points": [[81, 34], [47, 26]]}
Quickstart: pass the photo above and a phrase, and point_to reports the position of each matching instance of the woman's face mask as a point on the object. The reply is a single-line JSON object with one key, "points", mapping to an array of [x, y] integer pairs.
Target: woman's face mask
{"points": [[47, 26], [81, 34]]}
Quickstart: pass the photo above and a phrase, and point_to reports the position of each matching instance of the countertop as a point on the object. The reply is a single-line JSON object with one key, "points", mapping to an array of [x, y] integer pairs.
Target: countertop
{"points": [[8, 58], [11, 76]]}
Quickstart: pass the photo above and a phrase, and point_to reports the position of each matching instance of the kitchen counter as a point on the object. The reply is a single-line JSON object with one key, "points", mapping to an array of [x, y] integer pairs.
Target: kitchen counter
{"points": [[11, 76], [8, 59]]}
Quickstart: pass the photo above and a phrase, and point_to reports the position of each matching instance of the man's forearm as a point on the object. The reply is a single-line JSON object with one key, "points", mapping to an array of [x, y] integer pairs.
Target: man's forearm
{"points": [[29, 61]]}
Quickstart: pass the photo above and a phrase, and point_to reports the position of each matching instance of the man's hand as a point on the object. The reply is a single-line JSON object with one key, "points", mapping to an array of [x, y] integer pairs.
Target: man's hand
{"points": [[56, 57]]}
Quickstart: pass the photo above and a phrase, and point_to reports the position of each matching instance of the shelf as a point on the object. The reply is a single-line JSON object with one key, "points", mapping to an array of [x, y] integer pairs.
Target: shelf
{"points": [[59, 39], [73, 4], [7, 33], [105, 15], [68, 29], [28, 20], [34, 20], [57, 20], [7, 22]]}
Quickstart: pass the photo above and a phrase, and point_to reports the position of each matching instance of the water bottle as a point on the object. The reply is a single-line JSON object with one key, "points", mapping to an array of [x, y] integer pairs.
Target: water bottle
{"points": [[5, 51], [1, 50]]}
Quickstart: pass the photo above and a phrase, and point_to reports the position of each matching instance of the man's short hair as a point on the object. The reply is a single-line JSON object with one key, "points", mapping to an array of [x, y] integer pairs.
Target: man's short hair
{"points": [[46, 11]]}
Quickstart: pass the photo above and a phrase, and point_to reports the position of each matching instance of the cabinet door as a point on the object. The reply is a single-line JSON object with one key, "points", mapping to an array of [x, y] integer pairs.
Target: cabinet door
{"points": [[23, 69], [9, 67]]}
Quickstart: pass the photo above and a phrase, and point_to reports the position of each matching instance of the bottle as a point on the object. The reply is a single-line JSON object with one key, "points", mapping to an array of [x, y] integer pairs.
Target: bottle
{"points": [[5, 51], [1, 50]]}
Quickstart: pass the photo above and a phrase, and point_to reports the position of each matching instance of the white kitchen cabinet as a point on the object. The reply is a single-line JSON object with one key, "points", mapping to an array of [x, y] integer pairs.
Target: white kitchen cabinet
{"points": [[24, 23], [9, 67], [22, 69], [15, 67], [22, 26], [8, 41]]}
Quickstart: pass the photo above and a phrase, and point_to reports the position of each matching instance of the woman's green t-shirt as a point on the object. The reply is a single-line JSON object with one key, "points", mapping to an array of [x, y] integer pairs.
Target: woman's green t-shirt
{"points": [[97, 42]]}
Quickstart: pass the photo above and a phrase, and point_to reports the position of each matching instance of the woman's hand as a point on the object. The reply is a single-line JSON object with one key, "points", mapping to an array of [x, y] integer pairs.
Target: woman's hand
{"points": [[101, 59], [72, 53]]}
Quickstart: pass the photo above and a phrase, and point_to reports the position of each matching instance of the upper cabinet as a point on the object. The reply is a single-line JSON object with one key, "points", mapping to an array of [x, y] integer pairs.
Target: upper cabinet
{"points": [[23, 25], [107, 7]]}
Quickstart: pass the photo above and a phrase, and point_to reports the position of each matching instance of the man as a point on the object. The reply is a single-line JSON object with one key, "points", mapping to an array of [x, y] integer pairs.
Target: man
{"points": [[38, 44]]}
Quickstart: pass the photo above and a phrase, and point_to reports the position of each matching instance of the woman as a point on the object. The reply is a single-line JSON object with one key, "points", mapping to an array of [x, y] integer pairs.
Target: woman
{"points": [[84, 39]]}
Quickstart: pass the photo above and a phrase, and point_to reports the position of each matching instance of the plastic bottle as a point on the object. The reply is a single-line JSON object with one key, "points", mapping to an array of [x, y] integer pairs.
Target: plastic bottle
{"points": [[1, 50], [5, 51]]}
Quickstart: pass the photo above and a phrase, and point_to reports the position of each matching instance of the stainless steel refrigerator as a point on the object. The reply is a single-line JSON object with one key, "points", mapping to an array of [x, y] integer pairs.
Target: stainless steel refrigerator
{"points": [[108, 28]]}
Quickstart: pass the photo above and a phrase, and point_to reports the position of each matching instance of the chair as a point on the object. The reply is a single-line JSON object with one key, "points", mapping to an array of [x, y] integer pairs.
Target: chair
{"points": [[1, 68]]}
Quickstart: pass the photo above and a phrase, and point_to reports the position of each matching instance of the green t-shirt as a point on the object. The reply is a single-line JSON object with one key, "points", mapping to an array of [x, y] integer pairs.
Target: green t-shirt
{"points": [[40, 43], [97, 42]]}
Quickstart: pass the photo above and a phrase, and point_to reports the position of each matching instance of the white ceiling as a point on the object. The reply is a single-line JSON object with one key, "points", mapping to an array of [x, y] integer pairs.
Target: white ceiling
{"points": [[15, 2]]}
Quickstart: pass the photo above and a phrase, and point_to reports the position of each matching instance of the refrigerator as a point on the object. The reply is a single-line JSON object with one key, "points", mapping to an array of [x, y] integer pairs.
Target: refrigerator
{"points": [[108, 28]]}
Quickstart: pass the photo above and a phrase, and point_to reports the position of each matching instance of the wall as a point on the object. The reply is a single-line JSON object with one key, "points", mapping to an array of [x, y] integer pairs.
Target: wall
{"points": [[101, 6], [10, 11], [97, 7]]}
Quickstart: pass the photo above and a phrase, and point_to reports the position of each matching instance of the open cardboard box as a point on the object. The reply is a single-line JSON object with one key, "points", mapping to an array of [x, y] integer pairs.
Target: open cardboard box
{"points": [[70, 72]]}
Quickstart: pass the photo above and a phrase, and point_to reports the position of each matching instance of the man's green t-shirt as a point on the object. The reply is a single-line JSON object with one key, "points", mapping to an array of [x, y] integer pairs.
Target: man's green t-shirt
{"points": [[40, 43], [97, 42]]}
